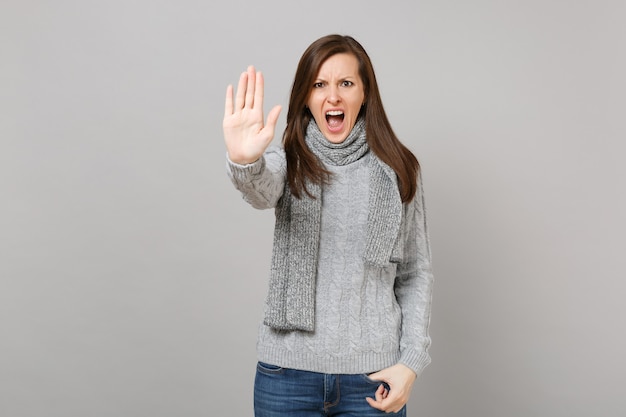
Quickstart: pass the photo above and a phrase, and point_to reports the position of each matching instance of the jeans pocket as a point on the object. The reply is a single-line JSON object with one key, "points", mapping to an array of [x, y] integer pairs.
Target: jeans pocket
{"points": [[268, 369], [370, 380]]}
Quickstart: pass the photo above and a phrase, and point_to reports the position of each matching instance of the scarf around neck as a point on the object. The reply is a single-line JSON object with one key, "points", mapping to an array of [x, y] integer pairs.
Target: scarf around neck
{"points": [[290, 302]]}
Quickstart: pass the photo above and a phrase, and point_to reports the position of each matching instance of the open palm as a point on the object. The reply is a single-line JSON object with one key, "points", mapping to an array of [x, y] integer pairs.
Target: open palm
{"points": [[245, 134]]}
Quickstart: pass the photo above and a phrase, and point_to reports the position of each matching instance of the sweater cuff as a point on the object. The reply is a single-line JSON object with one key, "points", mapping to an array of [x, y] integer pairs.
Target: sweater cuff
{"points": [[415, 359], [243, 173]]}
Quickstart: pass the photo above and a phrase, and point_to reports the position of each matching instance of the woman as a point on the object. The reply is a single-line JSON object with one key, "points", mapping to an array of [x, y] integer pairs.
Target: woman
{"points": [[348, 307]]}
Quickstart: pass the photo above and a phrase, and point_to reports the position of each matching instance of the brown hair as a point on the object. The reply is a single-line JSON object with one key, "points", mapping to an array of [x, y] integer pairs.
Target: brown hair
{"points": [[302, 164]]}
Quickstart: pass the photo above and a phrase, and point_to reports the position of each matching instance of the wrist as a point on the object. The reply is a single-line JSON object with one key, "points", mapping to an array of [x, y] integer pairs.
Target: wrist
{"points": [[241, 160], [408, 371]]}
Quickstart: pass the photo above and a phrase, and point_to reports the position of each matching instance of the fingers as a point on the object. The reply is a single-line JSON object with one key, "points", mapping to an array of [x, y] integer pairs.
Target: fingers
{"points": [[251, 78], [373, 403], [377, 376], [399, 378], [249, 91], [228, 106], [258, 91], [272, 117], [240, 100], [380, 395], [244, 109], [386, 402], [389, 401]]}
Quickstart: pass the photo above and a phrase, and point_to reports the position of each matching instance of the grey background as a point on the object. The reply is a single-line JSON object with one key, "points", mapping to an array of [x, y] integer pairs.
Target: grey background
{"points": [[133, 275]]}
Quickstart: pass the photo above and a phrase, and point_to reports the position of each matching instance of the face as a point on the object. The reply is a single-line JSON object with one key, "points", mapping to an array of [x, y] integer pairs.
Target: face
{"points": [[336, 96]]}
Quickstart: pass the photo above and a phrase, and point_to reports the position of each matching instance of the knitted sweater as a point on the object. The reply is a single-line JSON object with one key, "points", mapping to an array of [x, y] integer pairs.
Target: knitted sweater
{"points": [[367, 318]]}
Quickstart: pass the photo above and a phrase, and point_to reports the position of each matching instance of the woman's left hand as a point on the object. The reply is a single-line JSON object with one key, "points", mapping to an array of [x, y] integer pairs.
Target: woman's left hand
{"points": [[400, 379]]}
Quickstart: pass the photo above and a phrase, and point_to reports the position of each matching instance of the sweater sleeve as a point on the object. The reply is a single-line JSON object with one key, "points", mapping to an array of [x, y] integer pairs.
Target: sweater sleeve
{"points": [[413, 286], [261, 183]]}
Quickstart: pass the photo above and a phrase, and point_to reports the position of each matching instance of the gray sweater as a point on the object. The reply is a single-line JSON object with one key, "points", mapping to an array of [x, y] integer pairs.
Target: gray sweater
{"points": [[367, 318]]}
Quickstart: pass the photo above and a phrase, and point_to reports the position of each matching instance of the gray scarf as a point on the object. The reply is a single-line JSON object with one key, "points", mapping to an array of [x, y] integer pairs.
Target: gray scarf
{"points": [[291, 297]]}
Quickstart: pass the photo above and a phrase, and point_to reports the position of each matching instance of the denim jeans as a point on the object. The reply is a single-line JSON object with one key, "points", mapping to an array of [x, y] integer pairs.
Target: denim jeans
{"points": [[282, 392]]}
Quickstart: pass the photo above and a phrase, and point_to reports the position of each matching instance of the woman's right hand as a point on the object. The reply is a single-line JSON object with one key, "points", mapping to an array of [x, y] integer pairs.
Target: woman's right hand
{"points": [[244, 132]]}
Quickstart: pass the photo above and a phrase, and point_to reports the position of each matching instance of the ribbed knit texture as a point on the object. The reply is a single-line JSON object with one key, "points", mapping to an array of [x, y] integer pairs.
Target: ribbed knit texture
{"points": [[291, 295], [367, 317]]}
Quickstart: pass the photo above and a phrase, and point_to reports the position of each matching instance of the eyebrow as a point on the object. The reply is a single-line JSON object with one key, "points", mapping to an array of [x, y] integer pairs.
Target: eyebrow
{"points": [[340, 78]]}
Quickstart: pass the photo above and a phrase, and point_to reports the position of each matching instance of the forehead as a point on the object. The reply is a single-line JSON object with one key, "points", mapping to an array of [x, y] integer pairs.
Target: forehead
{"points": [[339, 65]]}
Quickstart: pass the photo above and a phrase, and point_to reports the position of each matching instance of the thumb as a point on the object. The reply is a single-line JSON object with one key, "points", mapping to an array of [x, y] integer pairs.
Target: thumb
{"points": [[272, 117], [377, 376]]}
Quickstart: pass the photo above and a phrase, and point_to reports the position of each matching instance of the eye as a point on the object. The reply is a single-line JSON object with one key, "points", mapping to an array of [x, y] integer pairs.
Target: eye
{"points": [[318, 85], [347, 83]]}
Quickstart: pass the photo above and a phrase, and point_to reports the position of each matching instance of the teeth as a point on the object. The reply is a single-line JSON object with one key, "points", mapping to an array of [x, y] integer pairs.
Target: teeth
{"points": [[334, 113]]}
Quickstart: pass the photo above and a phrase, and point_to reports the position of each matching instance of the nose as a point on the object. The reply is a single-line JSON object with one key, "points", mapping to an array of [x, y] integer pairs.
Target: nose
{"points": [[333, 95]]}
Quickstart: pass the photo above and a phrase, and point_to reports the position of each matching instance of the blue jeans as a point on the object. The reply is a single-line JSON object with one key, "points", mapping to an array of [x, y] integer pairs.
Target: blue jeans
{"points": [[282, 392]]}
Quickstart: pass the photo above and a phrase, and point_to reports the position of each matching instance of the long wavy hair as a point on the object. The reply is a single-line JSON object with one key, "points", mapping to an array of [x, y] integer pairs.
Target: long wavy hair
{"points": [[302, 164]]}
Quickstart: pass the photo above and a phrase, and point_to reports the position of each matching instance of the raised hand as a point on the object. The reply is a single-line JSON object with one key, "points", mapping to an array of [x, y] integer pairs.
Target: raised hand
{"points": [[245, 134]]}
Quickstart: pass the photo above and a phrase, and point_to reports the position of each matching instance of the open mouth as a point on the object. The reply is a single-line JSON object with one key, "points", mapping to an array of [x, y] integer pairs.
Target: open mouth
{"points": [[334, 118]]}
